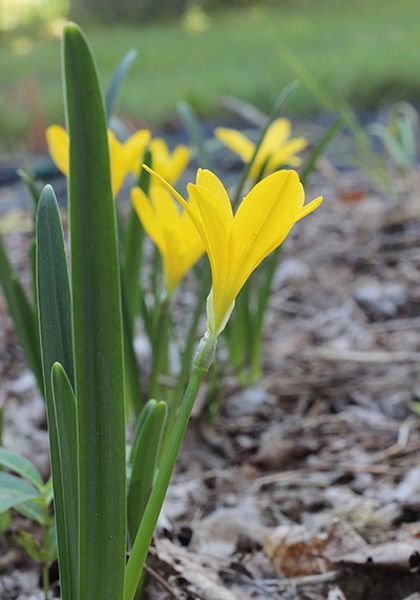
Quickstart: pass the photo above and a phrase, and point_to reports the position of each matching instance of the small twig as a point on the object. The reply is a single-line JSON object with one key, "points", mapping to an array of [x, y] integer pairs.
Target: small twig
{"points": [[150, 571], [327, 577]]}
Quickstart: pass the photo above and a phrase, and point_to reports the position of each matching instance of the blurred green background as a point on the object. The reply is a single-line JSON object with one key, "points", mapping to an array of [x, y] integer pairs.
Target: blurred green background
{"points": [[363, 51]]}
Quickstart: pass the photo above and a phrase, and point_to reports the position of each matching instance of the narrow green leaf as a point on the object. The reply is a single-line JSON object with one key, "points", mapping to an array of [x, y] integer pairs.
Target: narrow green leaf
{"points": [[144, 458], [20, 465], [31, 545], [98, 346], [134, 397], [320, 148], [23, 315], [66, 493], [369, 162], [32, 509], [54, 307], [52, 543], [14, 490], [196, 133], [118, 77], [31, 185]]}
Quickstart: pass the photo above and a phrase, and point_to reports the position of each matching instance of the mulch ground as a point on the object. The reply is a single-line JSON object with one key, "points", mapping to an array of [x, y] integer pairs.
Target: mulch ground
{"points": [[308, 487]]}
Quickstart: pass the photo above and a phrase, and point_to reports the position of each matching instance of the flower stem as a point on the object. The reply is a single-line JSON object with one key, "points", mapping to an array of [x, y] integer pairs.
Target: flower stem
{"points": [[203, 359]]}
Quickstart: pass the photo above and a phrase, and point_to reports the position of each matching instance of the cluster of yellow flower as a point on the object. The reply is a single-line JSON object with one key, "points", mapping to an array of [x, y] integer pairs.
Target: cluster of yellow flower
{"points": [[235, 244]]}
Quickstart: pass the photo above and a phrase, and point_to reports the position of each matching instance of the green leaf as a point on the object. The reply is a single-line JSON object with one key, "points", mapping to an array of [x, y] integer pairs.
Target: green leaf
{"points": [[320, 148], [54, 307], [144, 459], [32, 509], [5, 520], [52, 543], [22, 314], [98, 347], [31, 185], [20, 465], [134, 398], [14, 490], [66, 492], [31, 545], [196, 133], [118, 77]]}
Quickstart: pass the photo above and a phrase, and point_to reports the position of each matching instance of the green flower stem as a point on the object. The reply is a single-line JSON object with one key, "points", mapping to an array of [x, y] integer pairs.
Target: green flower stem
{"points": [[160, 347], [187, 358], [203, 359], [255, 367]]}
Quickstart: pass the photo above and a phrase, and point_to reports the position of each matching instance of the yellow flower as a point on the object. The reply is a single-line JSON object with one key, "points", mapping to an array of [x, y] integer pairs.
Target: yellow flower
{"points": [[172, 231], [124, 157], [276, 150], [169, 165], [237, 244]]}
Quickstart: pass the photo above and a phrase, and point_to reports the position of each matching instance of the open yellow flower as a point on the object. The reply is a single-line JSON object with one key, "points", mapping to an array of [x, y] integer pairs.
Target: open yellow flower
{"points": [[170, 165], [124, 157], [173, 232], [237, 244], [277, 149]]}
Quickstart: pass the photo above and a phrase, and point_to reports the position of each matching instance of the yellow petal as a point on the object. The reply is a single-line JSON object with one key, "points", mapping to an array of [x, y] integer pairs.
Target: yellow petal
{"points": [[58, 146], [277, 134], [215, 229], [308, 208], [178, 163], [148, 218], [263, 220], [134, 149], [236, 141], [116, 157], [212, 183], [169, 166]]}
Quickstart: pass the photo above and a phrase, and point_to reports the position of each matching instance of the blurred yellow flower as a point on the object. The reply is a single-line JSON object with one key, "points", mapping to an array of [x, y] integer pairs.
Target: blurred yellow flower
{"points": [[169, 165], [277, 149], [124, 157], [173, 232], [237, 244]]}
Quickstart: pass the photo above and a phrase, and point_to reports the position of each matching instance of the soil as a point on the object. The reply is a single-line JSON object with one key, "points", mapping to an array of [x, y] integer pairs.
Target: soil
{"points": [[308, 486]]}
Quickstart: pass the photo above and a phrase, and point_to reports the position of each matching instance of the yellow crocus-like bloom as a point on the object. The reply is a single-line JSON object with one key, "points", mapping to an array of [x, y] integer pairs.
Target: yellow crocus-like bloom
{"points": [[276, 150], [124, 157], [173, 232], [169, 165], [237, 244]]}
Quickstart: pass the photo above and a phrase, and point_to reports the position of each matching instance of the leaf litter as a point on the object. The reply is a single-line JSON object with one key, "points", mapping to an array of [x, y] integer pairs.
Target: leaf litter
{"points": [[308, 487]]}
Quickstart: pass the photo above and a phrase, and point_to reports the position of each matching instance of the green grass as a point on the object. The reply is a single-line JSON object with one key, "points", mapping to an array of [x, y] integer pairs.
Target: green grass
{"points": [[365, 51]]}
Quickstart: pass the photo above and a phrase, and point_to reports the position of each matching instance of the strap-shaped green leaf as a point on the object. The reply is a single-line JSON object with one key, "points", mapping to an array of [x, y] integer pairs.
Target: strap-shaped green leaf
{"points": [[195, 131], [23, 315], [14, 490], [66, 493], [144, 458], [118, 77], [97, 330], [32, 510], [20, 465], [54, 308]]}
